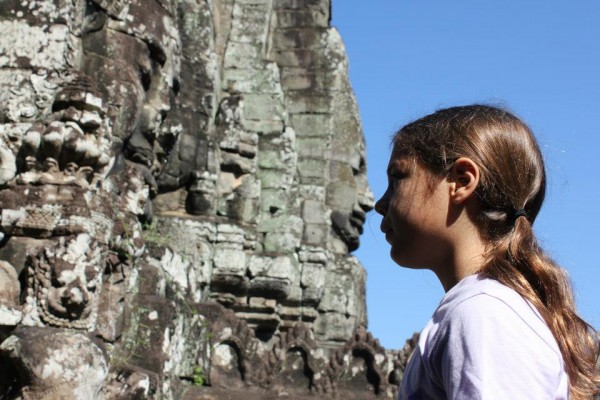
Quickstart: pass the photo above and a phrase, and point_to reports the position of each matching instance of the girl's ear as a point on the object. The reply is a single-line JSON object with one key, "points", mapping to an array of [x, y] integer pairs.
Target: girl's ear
{"points": [[464, 178]]}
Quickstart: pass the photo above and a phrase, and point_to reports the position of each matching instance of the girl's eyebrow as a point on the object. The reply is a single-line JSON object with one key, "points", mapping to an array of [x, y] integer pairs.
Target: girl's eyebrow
{"points": [[398, 165]]}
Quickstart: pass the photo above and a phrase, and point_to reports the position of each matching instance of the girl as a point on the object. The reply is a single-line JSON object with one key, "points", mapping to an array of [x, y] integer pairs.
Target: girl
{"points": [[464, 187]]}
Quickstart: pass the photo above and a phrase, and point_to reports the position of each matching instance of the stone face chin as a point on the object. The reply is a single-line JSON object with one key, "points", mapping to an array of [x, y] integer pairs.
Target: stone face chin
{"points": [[181, 185]]}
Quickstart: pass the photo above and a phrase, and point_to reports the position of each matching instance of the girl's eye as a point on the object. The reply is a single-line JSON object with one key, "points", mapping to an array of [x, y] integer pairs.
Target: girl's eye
{"points": [[396, 176]]}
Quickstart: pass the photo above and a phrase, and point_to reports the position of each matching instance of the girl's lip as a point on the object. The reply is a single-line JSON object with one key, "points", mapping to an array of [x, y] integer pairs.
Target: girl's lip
{"points": [[388, 236], [385, 229]]}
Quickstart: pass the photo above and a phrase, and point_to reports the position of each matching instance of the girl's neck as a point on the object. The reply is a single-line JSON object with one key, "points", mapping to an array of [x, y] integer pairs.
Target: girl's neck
{"points": [[467, 257]]}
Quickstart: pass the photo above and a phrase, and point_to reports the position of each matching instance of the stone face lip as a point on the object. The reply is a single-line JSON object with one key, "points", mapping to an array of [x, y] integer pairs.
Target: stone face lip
{"points": [[182, 184]]}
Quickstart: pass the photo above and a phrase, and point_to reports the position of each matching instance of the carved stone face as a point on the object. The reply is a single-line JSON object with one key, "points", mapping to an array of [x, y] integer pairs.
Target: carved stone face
{"points": [[135, 68], [350, 197], [279, 201], [30, 66], [57, 146], [54, 148], [60, 235], [67, 281]]}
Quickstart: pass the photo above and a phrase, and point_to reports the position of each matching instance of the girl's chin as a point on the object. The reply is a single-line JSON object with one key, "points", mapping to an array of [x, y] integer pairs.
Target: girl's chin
{"points": [[404, 260]]}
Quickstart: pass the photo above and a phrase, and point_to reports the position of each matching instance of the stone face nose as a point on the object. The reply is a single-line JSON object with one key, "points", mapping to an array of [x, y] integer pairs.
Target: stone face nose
{"points": [[75, 299], [367, 199], [365, 202]]}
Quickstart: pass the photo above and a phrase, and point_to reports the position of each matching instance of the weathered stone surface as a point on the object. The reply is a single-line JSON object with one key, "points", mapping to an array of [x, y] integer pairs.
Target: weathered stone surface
{"points": [[184, 181], [49, 363]]}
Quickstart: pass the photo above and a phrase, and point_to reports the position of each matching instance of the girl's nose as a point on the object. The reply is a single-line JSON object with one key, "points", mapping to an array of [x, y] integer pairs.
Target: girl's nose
{"points": [[381, 206]]}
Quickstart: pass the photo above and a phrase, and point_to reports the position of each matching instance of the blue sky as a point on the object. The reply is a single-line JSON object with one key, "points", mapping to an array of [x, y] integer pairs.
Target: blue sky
{"points": [[539, 58]]}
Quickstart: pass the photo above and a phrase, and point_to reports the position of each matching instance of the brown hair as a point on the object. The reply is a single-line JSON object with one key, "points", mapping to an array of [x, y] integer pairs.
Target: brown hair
{"points": [[512, 186]]}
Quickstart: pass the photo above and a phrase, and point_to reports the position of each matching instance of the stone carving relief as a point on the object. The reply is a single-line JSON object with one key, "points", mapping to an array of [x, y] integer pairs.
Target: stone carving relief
{"points": [[359, 366], [161, 160]]}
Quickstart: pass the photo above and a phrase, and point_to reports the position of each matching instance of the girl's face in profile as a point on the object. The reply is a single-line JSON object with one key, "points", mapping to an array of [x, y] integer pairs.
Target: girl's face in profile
{"points": [[414, 209]]}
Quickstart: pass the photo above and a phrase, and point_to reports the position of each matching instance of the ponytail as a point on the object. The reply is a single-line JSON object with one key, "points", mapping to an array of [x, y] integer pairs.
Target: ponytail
{"points": [[518, 262], [510, 193]]}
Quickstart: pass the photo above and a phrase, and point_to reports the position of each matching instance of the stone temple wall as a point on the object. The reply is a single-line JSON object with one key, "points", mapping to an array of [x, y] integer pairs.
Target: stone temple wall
{"points": [[182, 183]]}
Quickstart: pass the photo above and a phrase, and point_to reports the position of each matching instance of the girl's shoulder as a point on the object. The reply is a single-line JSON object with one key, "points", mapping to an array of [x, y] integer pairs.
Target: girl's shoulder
{"points": [[486, 336], [483, 306]]}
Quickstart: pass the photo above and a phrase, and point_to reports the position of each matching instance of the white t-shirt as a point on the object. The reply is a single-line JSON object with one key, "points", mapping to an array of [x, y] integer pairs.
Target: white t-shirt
{"points": [[485, 341]]}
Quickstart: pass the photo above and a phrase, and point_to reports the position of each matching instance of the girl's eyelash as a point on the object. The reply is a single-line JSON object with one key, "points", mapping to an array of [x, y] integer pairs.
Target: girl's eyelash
{"points": [[398, 175]]}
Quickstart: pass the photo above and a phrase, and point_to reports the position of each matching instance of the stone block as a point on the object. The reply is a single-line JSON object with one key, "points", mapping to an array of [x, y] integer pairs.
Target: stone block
{"points": [[313, 275], [282, 242], [298, 38], [237, 163], [241, 55], [334, 326], [307, 102], [244, 80], [176, 267], [307, 58], [346, 148], [339, 288], [229, 261], [313, 147], [262, 304], [275, 267], [303, 79], [312, 169], [311, 124], [228, 284], [254, 2], [271, 178], [294, 296], [315, 234], [302, 17], [313, 254], [250, 22], [312, 192], [274, 223], [313, 212], [265, 126], [273, 200], [341, 196], [311, 296], [243, 209], [260, 321], [291, 313], [229, 234], [283, 233], [271, 159], [301, 4], [252, 32], [263, 106], [268, 287]]}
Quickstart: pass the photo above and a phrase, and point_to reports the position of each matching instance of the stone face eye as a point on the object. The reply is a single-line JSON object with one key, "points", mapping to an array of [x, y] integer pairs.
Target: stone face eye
{"points": [[91, 276], [62, 274]]}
